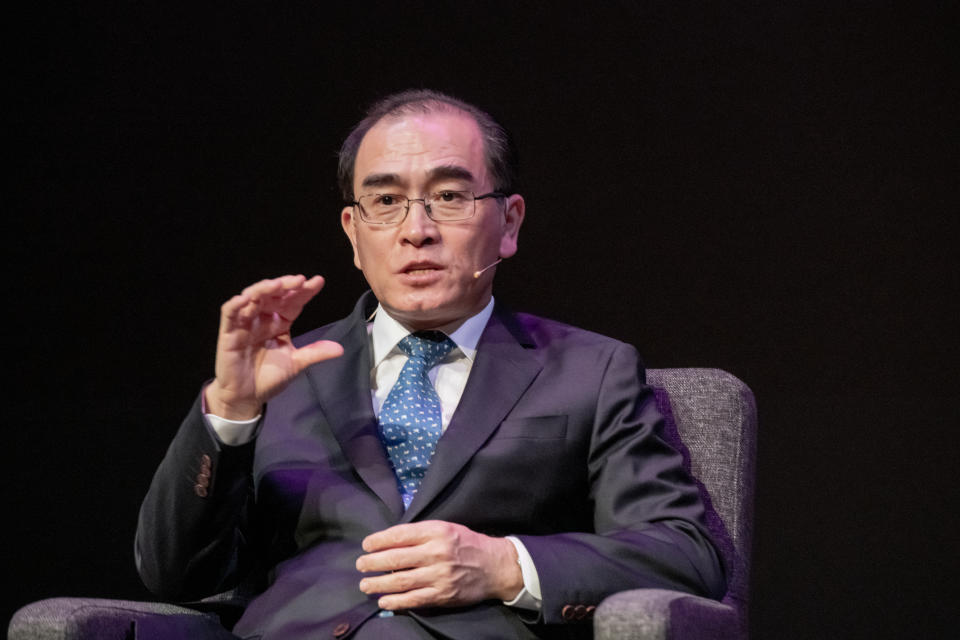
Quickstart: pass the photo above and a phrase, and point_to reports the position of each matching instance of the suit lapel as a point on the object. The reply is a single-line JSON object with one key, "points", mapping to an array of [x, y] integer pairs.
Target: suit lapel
{"points": [[501, 373], [344, 394]]}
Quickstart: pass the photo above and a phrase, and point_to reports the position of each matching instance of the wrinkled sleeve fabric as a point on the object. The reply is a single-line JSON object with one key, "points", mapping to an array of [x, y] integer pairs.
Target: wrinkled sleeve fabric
{"points": [[648, 529], [191, 533]]}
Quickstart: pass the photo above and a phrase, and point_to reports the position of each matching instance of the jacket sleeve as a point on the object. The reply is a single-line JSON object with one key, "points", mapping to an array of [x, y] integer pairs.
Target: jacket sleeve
{"points": [[191, 530], [648, 518]]}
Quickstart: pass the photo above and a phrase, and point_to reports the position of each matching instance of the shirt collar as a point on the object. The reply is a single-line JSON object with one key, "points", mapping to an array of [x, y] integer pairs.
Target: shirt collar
{"points": [[386, 332]]}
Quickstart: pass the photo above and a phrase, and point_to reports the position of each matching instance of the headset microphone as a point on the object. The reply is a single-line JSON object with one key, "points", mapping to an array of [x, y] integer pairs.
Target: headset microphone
{"points": [[476, 274]]}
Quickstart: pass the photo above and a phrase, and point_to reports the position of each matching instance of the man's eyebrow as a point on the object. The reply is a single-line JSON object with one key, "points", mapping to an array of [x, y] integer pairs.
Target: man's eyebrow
{"points": [[380, 180], [443, 172], [450, 172]]}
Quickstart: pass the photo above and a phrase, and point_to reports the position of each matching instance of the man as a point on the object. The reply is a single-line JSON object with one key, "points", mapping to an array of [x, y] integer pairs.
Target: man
{"points": [[433, 465]]}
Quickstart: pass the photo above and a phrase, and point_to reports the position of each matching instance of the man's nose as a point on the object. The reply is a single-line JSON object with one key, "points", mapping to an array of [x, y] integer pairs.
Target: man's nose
{"points": [[418, 228]]}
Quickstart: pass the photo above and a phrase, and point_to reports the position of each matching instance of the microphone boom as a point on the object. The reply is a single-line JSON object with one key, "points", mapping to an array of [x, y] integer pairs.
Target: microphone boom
{"points": [[476, 274]]}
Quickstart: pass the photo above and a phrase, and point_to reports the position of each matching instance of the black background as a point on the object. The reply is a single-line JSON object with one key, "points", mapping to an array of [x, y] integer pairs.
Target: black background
{"points": [[764, 189]]}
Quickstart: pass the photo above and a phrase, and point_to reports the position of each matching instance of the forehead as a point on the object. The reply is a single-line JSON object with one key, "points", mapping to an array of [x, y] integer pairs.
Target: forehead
{"points": [[410, 146]]}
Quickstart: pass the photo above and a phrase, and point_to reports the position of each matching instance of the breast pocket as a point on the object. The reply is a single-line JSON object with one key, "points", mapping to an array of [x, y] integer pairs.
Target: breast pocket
{"points": [[536, 428]]}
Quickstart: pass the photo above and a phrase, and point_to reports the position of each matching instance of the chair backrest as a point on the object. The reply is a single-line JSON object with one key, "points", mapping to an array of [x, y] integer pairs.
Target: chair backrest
{"points": [[712, 419]]}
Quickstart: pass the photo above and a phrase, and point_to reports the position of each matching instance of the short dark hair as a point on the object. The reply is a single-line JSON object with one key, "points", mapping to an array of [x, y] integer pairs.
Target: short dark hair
{"points": [[498, 149]]}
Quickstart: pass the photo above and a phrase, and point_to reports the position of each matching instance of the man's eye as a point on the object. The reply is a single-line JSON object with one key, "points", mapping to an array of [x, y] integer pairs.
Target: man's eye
{"points": [[385, 200], [449, 196]]}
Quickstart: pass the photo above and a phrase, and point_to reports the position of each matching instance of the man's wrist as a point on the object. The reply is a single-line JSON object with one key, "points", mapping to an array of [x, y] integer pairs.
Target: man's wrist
{"points": [[511, 582], [217, 403], [529, 598], [233, 432]]}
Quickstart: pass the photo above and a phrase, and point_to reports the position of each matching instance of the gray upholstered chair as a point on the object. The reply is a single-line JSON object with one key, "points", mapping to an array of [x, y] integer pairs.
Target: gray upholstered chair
{"points": [[711, 418]]}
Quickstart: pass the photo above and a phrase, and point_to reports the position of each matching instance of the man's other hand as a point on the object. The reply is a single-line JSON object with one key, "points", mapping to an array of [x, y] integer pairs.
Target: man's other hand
{"points": [[255, 356], [436, 563]]}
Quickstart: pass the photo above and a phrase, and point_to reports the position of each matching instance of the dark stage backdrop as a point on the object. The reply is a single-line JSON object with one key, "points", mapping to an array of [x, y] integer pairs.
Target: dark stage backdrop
{"points": [[758, 188]]}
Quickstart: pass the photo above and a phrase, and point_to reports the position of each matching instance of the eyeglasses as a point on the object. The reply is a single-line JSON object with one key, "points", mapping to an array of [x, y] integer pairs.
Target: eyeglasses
{"points": [[442, 206]]}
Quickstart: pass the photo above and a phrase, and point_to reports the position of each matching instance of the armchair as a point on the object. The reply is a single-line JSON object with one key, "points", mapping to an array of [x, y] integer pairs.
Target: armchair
{"points": [[711, 419]]}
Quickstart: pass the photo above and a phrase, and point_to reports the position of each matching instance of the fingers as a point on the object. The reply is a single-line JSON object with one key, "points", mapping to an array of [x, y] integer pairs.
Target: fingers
{"points": [[404, 546], [415, 599], [273, 286], [399, 581], [418, 564], [316, 352], [256, 298], [402, 535], [255, 355], [230, 311], [296, 297], [400, 552], [431, 585], [438, 582], [438, 563], [428, 596], [409, 545], [395, 559], [280, 299], [285, 295]]}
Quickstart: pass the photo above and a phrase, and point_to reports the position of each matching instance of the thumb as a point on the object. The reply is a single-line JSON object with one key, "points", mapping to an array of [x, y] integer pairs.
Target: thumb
{"points": [[316, 352]]}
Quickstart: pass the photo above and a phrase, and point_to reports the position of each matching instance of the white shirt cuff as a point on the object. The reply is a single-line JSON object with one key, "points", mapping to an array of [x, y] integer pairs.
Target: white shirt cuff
{"points": [[529, 597], [233, 432]]}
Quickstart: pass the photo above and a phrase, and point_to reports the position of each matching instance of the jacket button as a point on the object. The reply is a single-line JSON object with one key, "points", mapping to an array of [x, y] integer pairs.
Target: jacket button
{"points": [[200, 490], [568, 612], [341, 629], [579, 612], [590, 611]]}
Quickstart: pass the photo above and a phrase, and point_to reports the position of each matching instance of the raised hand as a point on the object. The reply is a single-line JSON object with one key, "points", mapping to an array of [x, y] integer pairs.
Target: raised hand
{"points": [[255, 357], [435, 563]]}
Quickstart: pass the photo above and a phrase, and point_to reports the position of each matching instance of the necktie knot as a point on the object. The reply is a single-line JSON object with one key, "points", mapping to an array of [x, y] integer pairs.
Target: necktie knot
{"points": [[429, 346]]}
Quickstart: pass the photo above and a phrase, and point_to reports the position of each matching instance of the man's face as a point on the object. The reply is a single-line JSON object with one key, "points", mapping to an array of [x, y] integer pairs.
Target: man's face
{"points": [[422, 271]]}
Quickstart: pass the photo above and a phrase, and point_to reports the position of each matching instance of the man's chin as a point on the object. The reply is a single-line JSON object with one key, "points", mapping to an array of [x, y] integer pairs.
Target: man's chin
{"points": [[419, 319], [425, 312]]}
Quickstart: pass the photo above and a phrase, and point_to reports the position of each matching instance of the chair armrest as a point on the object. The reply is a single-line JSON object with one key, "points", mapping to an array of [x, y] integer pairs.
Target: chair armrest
{"points": [[658, 614], [94, 618]]}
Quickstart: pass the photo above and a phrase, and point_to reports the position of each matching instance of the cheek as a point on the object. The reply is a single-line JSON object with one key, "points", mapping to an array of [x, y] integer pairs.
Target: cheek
{"points": [[356, 257], [368, 252], [481, 244]]}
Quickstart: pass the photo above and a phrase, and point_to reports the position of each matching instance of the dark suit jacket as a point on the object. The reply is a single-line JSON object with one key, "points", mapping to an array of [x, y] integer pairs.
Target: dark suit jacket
{"points": [[555, 440]]}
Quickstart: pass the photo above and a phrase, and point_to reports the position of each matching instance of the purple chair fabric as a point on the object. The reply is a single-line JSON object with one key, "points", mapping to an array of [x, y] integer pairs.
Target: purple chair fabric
{"points": [[98, 619], [712, 419]]}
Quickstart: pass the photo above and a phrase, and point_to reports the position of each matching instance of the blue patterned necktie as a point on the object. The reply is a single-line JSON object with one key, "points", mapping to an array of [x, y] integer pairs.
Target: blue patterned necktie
{"points": [[410, 418]]}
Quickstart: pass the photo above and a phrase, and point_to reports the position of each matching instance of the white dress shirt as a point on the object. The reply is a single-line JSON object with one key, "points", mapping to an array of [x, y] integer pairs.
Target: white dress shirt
{"points": [[449, 378]]}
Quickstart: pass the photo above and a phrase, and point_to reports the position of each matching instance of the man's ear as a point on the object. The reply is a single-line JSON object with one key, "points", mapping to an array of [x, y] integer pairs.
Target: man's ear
{"points": [[514, 211], [349, 224]]}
